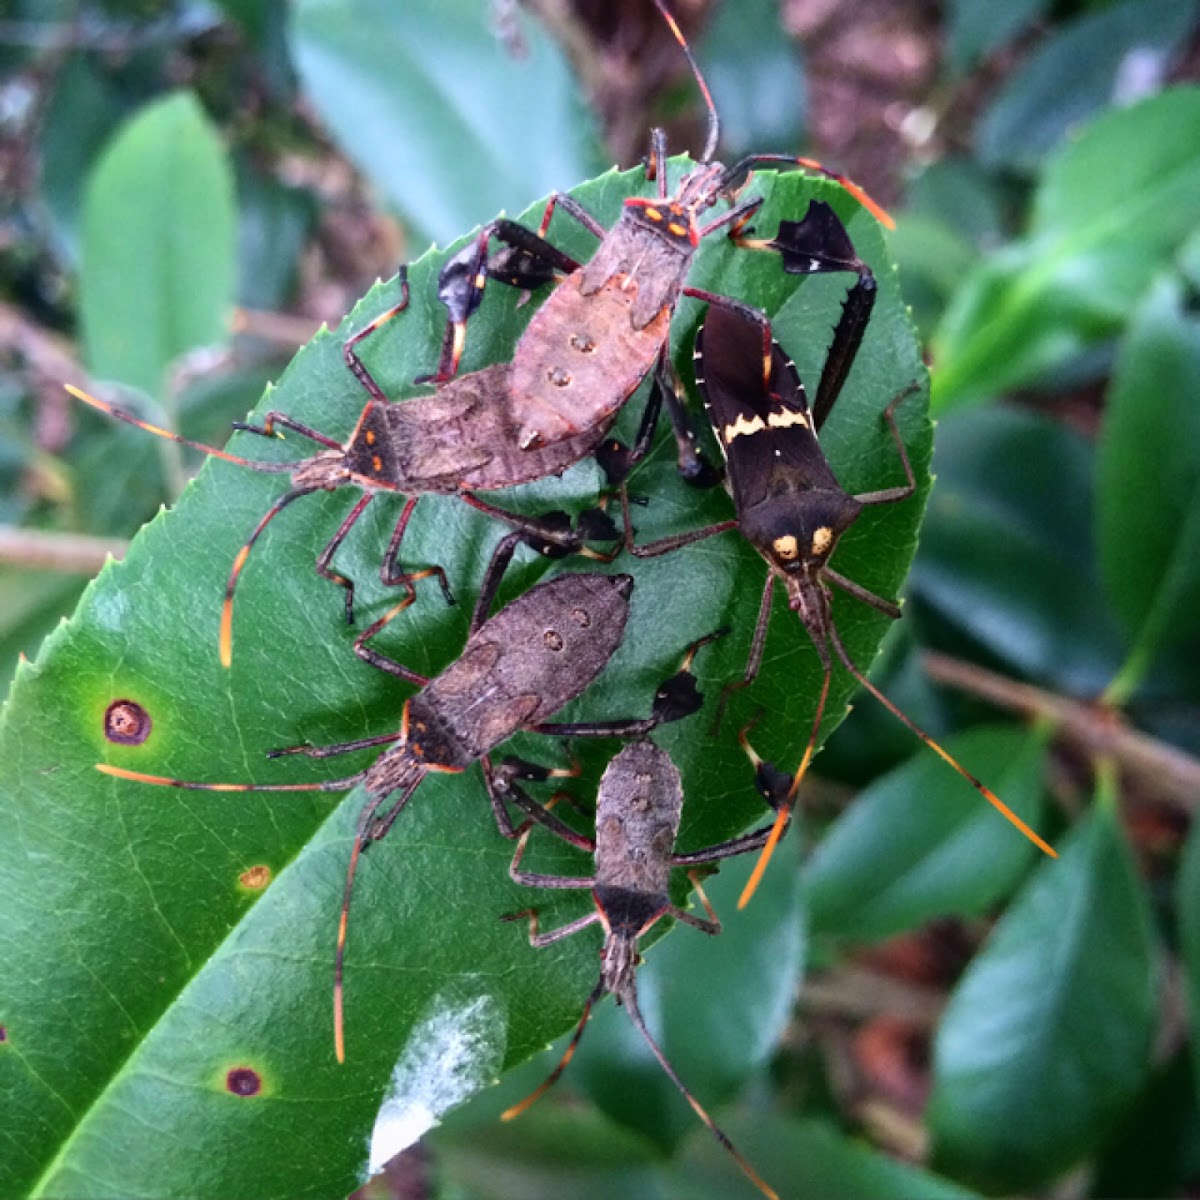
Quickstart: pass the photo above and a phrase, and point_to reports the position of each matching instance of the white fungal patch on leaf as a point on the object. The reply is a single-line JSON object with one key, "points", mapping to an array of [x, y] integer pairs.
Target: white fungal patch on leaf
{"points": [[456, 1049]]}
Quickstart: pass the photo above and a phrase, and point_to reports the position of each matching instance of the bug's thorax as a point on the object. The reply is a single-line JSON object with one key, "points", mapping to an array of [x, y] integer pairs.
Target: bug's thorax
{"points": [[652, 245]]}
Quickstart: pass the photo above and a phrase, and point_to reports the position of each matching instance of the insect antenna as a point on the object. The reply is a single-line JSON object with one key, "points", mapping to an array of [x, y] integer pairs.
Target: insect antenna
{"points": [[940, 751], [785, 809], [270, 468], [226, 642], [362, 837], [517, 1109], [328, 785], [629, 1000], [714, 122]]}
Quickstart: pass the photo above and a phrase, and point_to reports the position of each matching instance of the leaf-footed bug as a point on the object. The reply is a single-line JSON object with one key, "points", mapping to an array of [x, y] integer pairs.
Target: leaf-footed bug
{"points": [[516, 670], [788, 503], [607, 322], [456, 442], [638, 811]]}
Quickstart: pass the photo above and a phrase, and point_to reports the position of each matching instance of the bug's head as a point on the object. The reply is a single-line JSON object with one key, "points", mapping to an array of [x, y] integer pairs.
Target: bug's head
{"points": [[619, 962], [325, 471]]}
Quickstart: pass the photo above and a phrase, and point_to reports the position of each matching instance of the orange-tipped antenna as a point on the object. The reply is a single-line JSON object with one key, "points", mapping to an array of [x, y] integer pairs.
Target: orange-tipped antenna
{"points": [[271, 468], [517, 1109], [784, 816], [876, 209], [226, 638], [339, 957], [985, 791], [361, 837], [329, 785], [714, 122], [629, 1000]]}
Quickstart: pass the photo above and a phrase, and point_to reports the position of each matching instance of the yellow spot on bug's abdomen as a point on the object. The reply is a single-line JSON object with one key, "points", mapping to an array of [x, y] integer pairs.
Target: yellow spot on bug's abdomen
{"points": [[742, 427], [786, 547], [785, 418], [822, 540]]}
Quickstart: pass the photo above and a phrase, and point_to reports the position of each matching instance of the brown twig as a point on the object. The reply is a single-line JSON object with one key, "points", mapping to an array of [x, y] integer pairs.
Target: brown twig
{"points": [[279, 328], [1098, 731], [72, 553]]}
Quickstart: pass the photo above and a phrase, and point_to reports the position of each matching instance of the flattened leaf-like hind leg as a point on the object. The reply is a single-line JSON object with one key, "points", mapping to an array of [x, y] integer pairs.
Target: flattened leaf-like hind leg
{"points": [[818, 245], [529, 261]]}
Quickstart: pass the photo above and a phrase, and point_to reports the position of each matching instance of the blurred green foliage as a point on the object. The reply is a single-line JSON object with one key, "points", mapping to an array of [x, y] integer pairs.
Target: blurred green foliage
{"points": [[171, 159]]}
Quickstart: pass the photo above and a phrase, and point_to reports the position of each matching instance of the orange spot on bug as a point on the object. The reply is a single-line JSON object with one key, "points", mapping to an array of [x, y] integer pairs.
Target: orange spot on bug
{"points": [[377, 464], [127, 723]]}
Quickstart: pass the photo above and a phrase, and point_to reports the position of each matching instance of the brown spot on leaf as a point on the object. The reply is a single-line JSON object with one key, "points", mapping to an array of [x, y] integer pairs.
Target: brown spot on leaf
{"points": [[243, 1081], [127, 723], [256, 878]]}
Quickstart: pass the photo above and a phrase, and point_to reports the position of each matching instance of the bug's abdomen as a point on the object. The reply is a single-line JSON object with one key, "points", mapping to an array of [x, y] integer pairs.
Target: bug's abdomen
{"points": [[580, 359]]}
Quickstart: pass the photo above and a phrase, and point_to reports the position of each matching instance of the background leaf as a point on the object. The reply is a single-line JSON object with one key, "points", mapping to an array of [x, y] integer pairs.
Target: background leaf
{"points": [[171, 970], [1148, 519], [433, 109], [158, 245], [978, 26], [807, 1158], [1098, 237], [1048, 1034], [1120, 52], [1007, 558]]}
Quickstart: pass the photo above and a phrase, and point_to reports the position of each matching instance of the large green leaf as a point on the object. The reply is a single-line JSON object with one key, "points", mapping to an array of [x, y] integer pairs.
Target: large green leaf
{"points": [[1148, 484], [1111, 206], [1048, 1035], [432, 107], [158, 245], [142, 964]]}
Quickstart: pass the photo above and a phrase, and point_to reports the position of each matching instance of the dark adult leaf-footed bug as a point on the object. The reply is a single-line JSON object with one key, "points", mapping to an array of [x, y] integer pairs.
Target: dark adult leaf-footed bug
{"points": [[788, 503], [517, 669], [456, 442], [608, 321], [638, 811]]}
